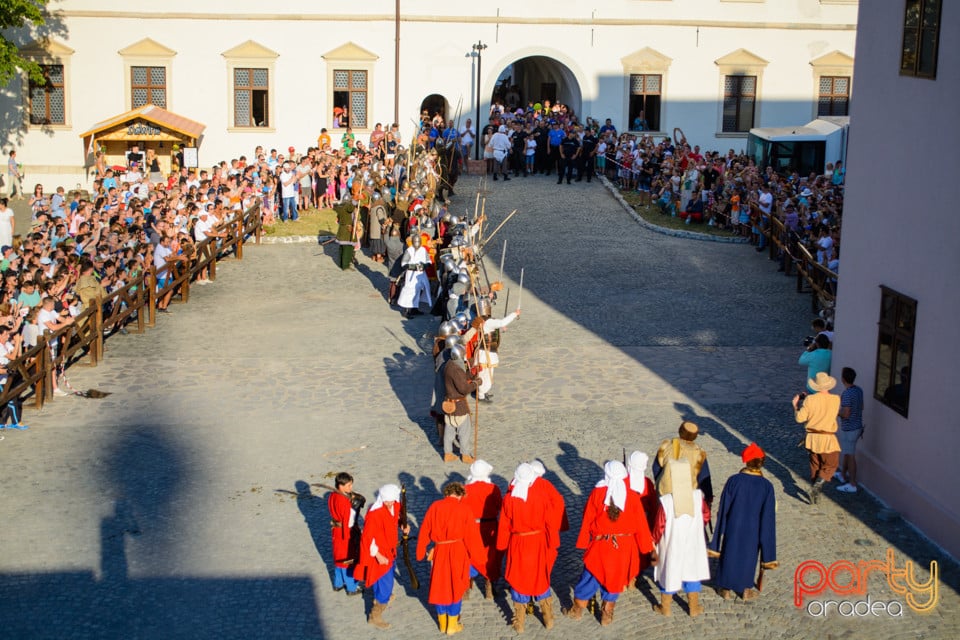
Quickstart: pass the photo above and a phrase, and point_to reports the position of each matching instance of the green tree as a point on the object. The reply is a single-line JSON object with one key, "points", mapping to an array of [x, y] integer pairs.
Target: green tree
{"points": [[15, 14]]}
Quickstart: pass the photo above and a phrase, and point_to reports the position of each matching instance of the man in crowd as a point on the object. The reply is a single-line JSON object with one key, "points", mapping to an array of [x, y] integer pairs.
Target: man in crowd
{"points": [[683, 452], [484, 500], [818, 414], [615, 535], [378, 550], [569, 154], [527, 540], [346, 233], [450, 526], [851, 430], [458, 427], [746, 526], [345, 532]]}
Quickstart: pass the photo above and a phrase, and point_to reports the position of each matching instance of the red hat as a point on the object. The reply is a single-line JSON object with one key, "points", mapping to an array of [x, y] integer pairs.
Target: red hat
{"points": [[752, 452]]}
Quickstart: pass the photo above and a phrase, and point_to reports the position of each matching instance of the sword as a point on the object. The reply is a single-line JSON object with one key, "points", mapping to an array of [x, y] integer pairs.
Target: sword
{"points": [[503, 255], [485, 242], [520, 296]]}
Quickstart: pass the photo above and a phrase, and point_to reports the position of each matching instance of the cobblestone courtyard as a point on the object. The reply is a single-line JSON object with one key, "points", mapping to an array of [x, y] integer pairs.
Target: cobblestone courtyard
{"points": [[179, 506]]}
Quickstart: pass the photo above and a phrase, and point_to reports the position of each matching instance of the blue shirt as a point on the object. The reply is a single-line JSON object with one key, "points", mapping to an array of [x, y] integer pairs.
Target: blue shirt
{"points": [[556, 137], [852, 397], [816, 361]]}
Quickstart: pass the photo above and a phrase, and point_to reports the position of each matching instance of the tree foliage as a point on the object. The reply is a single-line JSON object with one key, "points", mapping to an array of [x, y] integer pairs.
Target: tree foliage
{"points": [[17, 14]]}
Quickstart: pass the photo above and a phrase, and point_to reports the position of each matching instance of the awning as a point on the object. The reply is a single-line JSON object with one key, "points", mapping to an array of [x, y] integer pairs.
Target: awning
{"points": [[146, 123]]}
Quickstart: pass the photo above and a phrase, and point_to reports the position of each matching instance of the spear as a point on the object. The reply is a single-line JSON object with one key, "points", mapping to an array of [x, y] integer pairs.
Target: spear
{"points": [[497, 229]]}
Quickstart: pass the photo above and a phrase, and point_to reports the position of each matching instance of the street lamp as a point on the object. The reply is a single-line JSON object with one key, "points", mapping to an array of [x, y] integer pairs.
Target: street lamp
{"points": [[478, 48]]}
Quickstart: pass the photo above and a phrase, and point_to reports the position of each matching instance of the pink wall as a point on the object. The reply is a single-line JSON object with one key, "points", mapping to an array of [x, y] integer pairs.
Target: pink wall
{"points": [[902, 229]]}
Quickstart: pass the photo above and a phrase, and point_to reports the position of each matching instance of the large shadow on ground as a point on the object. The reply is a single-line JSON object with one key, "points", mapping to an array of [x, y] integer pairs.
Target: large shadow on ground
{"points": [[144, 471]]}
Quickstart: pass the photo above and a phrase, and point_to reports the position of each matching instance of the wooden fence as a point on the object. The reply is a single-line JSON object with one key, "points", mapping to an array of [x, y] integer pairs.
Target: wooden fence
{"points": [[134, 305], [812, 277]]}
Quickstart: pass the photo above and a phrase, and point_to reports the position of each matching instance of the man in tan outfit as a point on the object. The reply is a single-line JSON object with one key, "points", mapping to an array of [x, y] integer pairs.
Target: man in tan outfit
{"points": [[819, 414]]}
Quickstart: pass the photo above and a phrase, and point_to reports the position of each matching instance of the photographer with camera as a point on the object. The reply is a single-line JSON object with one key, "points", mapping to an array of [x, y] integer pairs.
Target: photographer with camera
{"points": [[817, 357]]}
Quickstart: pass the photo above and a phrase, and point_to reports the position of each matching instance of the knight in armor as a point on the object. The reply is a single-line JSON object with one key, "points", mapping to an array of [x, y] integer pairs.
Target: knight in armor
{"points": [[346, 233], [416, 286], [485, 357], [378, 224]]}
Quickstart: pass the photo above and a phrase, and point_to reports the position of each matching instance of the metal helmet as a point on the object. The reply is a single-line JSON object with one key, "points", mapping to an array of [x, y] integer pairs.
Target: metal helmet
{"points": [[454, 220], [427, 222], [446, 329], [416, 240], [451, 341], [446, 218], [457, 241], [458, 353], [368, 182], [376, 197], [484, 306], [462, 321], [463, 277]]}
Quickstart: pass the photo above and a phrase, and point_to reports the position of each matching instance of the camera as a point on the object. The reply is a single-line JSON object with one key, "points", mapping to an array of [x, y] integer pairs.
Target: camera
{"points": [[808, 341]]}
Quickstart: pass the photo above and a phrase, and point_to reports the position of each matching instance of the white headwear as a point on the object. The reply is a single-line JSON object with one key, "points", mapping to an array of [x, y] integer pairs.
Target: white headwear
{"points": [[502, 129], [614, 474], [479, 472], [523, 477], [637, 467], [386, 493], [538, 467]]}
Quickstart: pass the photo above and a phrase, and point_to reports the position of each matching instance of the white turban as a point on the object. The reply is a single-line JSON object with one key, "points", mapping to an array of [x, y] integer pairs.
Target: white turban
{"points": [[538, 467], [502, 129], [637, 466], [523, 477], [386, 493], [614, 474], [479, 472]]}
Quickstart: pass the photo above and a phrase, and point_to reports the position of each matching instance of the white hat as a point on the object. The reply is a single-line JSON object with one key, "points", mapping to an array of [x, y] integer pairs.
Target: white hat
{"points": [[479, 472], [386, 493], [523, 477], [637, 465], [614, 474]]}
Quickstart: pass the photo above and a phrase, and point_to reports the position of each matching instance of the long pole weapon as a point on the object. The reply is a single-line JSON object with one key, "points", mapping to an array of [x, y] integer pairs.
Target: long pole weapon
{"points": [[486, 352], [497, 229], [503, 255], [520, 296]]}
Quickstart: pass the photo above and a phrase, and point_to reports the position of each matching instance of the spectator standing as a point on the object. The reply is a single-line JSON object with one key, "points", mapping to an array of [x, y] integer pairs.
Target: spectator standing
{"points": [[14, 177], [7, 224], [288, 192], [816, 358], [468, 136], [851, 430]]}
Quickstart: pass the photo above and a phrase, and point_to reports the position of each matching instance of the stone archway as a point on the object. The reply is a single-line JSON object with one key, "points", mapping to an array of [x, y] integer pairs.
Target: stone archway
{"points": [[435, 104], [534, 79]]}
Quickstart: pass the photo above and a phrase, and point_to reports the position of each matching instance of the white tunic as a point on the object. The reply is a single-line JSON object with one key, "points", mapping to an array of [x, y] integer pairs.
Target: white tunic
{"points": [[682, 548], [416, 285]]}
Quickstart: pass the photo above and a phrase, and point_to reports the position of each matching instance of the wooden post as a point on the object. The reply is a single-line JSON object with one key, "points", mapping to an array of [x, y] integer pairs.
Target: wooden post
{"points": [[213, 261], [141, 305], [40, 387], [96, 345], [240, 238], [185, 287], [151, 282]]}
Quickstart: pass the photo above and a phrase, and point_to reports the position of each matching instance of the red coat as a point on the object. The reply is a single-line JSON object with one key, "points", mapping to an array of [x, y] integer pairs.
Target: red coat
{"points": [[381, 526], [484, 501], [615, 562], [557, 515], [651, 504], [523, 533], [344, 553], [450, 525]]}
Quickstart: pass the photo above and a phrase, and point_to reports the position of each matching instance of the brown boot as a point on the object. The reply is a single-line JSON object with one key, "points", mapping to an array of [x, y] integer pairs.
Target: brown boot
{"points": [[726, 594], [750, 594], [576, 611], [519, 616], [449, 457], [664, 607], [467, 459], [695, 608], [546, 610], [376, 616], [606, 614], [488, 590]]}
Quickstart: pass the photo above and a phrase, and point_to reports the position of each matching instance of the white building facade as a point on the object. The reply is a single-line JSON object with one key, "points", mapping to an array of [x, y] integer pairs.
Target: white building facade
{"points": [[898, 303], [255, 74]]}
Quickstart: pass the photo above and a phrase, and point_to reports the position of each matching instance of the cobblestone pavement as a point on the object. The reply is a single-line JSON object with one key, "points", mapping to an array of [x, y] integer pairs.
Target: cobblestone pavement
{"points": [[179, 506]]}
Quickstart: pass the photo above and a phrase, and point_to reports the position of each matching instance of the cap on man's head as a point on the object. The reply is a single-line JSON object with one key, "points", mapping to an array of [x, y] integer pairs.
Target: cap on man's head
{"points": [[5, 248], [751, 453]]}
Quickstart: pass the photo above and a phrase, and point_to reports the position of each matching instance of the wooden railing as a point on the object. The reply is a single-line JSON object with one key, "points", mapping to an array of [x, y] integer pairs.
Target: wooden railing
{"points": [[812, 277], [135, 302]]}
